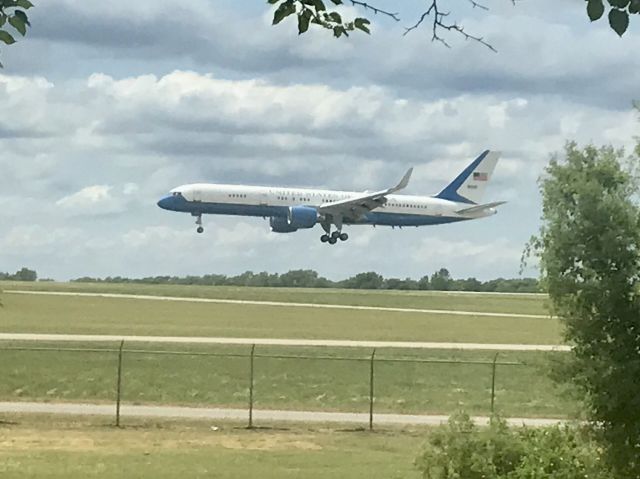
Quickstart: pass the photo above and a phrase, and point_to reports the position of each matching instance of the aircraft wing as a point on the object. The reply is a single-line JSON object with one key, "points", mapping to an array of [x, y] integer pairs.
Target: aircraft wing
{"points": [[356, 207], [479, 208]]}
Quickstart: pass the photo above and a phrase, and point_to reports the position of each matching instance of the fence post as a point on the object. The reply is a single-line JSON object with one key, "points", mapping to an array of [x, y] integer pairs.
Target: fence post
{"points": [[493, 382], [373, 355], [253, 349], [119, 384]]}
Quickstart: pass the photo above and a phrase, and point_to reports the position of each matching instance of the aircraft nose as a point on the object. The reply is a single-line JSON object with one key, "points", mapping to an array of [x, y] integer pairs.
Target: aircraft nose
{"points": [[166, 202]]}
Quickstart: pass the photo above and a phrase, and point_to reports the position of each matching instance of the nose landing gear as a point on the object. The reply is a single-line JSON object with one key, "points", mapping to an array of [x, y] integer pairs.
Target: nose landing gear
{"points": [[200, 228]]}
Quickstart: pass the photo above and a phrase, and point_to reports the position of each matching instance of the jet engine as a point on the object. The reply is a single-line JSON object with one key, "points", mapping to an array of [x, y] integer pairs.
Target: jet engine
{"points": [[298, 217], [280, 225], [302, 217]]}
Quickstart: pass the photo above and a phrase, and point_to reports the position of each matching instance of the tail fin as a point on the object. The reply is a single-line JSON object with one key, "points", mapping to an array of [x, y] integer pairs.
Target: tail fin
{"points": [[469, 186]]}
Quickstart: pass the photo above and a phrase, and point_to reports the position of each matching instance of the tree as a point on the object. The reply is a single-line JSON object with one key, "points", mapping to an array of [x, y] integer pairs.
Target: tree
{"points": [[589, 251], [423, 283], [441, 280], [370, 280], [301, 278], [12, 12], [469, 284], [25, 274], [315, 12]]}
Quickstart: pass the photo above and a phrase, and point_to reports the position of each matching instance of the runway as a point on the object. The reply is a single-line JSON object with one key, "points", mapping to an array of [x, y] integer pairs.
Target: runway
{"points": [[89, 338], [243, 415], [283, 304]]}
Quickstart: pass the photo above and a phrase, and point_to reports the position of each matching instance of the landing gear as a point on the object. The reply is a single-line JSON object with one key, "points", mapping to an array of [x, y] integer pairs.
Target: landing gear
{"points": [[200, 228], [329, 236], [334, 237]]}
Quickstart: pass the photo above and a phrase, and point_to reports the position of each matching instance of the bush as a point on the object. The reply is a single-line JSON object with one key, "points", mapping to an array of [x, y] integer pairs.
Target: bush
{"points": [[462, 450]]}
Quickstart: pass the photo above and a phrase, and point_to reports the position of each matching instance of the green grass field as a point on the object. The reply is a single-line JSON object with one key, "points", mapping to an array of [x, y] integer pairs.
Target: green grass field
{"points": [[61, 447], [95, 315], [324, 385], [303, 384], [503, 303]]}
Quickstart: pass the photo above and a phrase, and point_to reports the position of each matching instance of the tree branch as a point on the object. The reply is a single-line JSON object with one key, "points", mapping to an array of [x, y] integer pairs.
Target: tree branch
{"points": [[375, 9], [439, 23], [475, 4]]}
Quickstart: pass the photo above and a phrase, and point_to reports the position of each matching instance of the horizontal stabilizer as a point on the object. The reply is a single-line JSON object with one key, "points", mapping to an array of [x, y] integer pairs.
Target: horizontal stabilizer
{"points": [[480, 208]]}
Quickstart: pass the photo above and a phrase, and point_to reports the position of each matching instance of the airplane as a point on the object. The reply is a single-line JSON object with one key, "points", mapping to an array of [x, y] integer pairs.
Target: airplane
{"points": [[293, 209]]}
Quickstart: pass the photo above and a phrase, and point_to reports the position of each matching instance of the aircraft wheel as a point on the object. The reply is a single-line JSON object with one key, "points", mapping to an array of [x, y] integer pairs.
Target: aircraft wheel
{"points": [[324, 238], [335, 234], [333, 240], [200, 229], [344, 236]]}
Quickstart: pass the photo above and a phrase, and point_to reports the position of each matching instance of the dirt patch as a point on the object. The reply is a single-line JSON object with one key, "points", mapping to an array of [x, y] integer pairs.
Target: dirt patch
{"points": [[234, 441], [18, 439], [269, 443], [30, 440]]}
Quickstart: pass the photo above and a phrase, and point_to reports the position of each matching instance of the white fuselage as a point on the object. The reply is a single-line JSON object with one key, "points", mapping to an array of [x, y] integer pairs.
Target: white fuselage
{"points": [[399, 210]]}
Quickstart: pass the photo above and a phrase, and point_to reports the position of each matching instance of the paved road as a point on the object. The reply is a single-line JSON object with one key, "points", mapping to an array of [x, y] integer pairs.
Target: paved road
{"points": [[243, 415], [279, 342], [283, 304]]}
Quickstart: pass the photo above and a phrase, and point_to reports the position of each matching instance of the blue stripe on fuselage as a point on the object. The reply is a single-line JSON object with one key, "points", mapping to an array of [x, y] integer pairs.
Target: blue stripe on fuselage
{"points": [[401, 219], [176, 203]]}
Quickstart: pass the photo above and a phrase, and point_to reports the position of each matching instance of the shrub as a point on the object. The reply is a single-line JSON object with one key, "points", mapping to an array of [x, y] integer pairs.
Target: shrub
{"points": [[462, 450]]}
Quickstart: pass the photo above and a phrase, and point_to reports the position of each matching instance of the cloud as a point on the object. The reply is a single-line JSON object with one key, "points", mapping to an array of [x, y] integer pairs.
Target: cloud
{"points": [[105, 107], [480, 254], [116, 145], [98, 200]]}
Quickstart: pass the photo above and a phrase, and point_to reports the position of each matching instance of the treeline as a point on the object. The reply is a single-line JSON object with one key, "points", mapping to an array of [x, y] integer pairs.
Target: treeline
{"points": [[24, 274], [441, 280]]}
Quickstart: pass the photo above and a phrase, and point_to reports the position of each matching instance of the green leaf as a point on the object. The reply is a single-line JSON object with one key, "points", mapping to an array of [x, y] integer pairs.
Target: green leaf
{"points": [[284, 10], [23, 16], [3, 19], [6, 37], [362, 24], [335, 16], [18, 24], [319, 5], [634, 6], [26, 4], [595, 9], [619, 21], [336, 2], [339, 30], [271, 2], [303, 21], [620, 4]]}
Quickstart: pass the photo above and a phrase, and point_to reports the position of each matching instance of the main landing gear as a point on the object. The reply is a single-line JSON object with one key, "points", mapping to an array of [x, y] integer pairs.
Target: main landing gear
{"points": [[200, 228], [328, 236], [334, 237]]}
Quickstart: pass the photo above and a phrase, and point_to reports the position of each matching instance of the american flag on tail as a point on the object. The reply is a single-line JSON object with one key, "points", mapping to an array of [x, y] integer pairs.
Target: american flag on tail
{"points": [[478, 176]]}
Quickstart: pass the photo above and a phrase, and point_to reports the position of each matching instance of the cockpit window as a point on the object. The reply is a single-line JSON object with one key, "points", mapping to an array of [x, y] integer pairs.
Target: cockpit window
{"points": [[176, 193]]}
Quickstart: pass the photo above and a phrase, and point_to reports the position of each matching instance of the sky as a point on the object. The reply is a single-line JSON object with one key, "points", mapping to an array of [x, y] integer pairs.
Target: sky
{"points": [[106, 106]]}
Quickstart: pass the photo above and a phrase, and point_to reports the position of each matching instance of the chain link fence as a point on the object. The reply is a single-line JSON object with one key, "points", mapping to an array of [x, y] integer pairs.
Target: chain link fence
{"points": [[345, 380]]}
